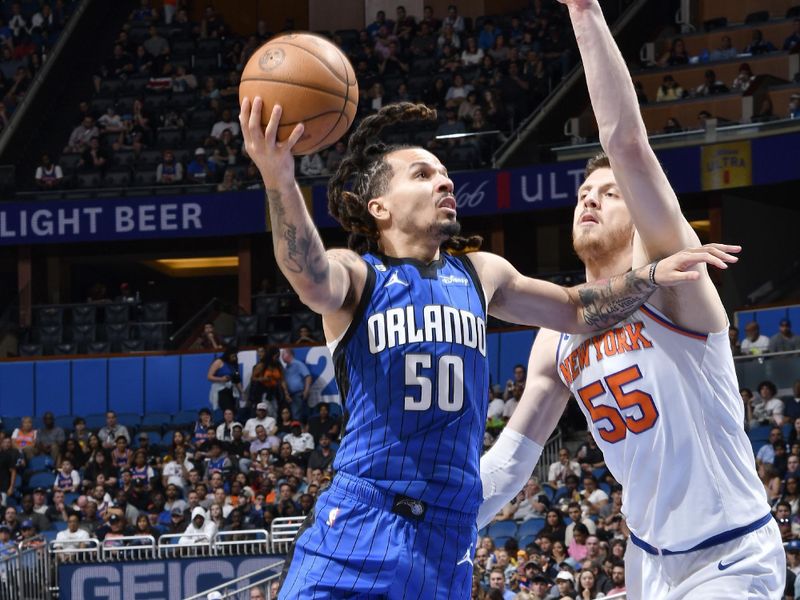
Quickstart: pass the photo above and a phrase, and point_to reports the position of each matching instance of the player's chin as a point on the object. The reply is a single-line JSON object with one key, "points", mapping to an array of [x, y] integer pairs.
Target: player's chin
{"points": [[449, 227]]}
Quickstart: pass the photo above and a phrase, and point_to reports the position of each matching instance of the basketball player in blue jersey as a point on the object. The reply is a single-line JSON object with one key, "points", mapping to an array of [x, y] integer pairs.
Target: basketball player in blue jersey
{"points": [[659, 389], [406, 323]]}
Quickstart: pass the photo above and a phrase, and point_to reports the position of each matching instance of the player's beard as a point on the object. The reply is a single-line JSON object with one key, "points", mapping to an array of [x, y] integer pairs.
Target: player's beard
{"points": [[598, 246], [444, 230]]}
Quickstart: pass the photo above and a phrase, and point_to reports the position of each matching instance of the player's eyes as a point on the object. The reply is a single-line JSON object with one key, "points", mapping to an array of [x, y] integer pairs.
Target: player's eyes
{"points": [[421, 175]]}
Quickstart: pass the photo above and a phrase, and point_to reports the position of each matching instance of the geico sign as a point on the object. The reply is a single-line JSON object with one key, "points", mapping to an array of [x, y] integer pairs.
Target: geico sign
{"points": [[170, 580]]}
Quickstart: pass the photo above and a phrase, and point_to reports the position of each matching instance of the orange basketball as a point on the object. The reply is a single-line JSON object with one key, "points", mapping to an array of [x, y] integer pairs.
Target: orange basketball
{"points": [[313, 82]]}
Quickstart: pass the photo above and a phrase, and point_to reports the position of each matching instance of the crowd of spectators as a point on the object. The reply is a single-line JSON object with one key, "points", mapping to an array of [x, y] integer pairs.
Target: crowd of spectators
{"points": [[28, 31], [166, 99]]}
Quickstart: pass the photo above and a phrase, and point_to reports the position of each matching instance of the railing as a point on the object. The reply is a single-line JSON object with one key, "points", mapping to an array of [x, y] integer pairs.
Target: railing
{"points": [[246, 541], [25, 571], [778, 367], [134, 547], [78, 551], [265, 581], [283, 531], [549, 455], [170, 546]]}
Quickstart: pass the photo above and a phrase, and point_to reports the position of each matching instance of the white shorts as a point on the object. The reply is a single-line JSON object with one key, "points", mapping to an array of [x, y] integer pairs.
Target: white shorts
{"points": [[747, 568]]}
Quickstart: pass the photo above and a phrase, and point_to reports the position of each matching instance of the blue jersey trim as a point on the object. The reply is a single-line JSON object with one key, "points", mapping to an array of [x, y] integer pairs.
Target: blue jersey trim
{"points": [[720, 538]]}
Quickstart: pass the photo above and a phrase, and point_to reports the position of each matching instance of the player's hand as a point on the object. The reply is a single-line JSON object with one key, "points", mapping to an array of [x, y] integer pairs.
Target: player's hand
{"points": [[681, 267], [274, 159]]}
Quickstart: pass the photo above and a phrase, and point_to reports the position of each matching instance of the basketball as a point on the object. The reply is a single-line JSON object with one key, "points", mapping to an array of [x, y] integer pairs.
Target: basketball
{"points": [[312, 80]]}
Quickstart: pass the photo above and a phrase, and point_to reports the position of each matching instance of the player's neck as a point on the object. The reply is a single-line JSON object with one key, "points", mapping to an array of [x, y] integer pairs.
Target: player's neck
{"points": [[608, 266], [423, 250]]}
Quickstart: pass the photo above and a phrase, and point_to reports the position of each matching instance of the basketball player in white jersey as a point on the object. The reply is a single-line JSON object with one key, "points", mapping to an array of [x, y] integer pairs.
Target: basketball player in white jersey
{"points": [[659, 390]]}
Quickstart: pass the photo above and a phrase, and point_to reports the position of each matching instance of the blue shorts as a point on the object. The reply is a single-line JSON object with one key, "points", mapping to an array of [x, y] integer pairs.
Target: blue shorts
{"points": [[354, 546]]}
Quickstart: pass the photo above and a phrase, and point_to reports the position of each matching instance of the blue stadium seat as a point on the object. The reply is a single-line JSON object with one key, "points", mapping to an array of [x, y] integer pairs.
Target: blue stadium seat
{"points": [[760, 433], [64, 421], [156, 421], [530, 527], [787, 429], [483, 532], [155, 438], [41, 479], [58, 526], [549, 492], [40, 463], [185, 417], [605, 487], [599, 472], [71, 498], [335, 410], [128, 419], [499, 542], [11, 423], [526, 541], [502, 529], [95, 420]]}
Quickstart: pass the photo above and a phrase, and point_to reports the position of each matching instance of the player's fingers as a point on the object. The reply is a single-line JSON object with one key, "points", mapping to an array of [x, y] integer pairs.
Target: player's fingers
{"points": [[271, 132], [295, 136], [730, 248], [244, 115], [720, 253], [254, 121], [705, 257]]}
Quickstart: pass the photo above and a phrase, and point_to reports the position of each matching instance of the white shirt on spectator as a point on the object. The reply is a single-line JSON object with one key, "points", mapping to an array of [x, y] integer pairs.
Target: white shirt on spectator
{"points": [[766, 454], [760, 346], [558, 472], [67, 536], [496, 408], [311, 165], [300, 443], [268, 422], [174, 474], [220, 126], [510, 406], [775, 409], [209, 529]]}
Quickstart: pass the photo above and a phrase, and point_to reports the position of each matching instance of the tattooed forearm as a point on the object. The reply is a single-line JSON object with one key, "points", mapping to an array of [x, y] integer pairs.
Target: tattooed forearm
{"points": [[608, 301], [298, 247]]}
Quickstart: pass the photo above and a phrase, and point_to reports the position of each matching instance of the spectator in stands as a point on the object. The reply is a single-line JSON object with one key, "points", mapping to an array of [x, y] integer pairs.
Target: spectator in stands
{"points": [[156, 45], [669, 90], [324, 424], [111, 432], [497, 581], [99, 465], [73, 533], [267, 382], [311, 165], [81, 135], [50, 437], [304, 336], [576, 516], [725, 51], [24, 438], [754, 342], [261, 418], [673, 126], [94, 158], [559, 470], [201, 170], [743, 79], [226, 382], [758, 45], [593, 497], [711, 85], [229, 181], [791, 42], [784, 340], [733, 338], [67, 478], [49, 175], [487, 35], [641, 95], [169, 170], [451, 124], [321, 457], [225, 429], [209, 340], [771, 481], [590, 455], [298, 384], [301, 442], [617, 579], [587, 586], [792, 410], [379, 22], [676, 56], [472, 54], [565, 582], [772, 404], [9, 459], [226, 122], [453, 19], [554, 525]]}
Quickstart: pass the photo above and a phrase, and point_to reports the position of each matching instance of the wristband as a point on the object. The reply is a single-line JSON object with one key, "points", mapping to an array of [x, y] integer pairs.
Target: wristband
{"points": [[653, 273]]}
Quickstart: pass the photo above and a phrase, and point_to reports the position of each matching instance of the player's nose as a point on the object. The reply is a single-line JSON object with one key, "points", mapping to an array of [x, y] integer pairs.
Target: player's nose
{"points": [[445, 184]]}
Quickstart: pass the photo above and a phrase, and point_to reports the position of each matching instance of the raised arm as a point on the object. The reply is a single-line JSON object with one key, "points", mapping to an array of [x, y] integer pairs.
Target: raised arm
{"points": [[325, 281], [591, 306], [660, 225]]}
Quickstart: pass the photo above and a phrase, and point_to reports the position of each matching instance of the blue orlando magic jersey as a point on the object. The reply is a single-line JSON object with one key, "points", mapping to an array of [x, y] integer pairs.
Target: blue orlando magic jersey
{"points": [[413, 375]]}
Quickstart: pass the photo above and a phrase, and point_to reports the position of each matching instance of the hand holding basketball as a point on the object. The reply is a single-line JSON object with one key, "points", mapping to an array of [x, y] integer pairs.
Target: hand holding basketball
{"points": [[274, 159]]}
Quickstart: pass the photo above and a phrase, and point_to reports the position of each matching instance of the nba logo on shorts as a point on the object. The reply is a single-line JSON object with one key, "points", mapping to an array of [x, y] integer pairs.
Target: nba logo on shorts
{"points": [[332, 517]]}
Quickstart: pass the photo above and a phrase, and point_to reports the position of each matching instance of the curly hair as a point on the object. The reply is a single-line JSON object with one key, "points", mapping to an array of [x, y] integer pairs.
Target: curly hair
{"points": [[365, 166]]}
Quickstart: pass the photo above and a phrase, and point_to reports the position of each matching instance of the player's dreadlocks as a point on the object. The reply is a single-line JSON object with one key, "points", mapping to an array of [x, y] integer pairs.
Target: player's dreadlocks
{"points": [[365, 164]]}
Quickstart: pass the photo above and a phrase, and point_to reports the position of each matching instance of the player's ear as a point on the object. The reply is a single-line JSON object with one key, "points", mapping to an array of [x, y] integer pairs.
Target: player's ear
{"points": [[377, 209]]}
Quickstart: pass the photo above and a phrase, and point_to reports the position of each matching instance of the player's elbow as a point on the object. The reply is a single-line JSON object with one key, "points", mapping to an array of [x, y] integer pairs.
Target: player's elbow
{"points": [[625, 142]]}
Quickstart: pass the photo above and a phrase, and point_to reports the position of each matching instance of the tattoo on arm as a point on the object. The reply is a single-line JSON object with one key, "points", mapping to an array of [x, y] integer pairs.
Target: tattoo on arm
{"points": [[298, 247], [608, 301]]}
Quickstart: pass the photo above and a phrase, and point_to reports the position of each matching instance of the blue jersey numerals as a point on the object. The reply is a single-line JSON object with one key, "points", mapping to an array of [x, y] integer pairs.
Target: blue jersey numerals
{"points": [[421, 377]]}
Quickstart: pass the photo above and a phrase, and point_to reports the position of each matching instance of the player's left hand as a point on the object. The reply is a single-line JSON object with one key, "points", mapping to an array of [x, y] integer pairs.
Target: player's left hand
{"points": [[680, 267]]}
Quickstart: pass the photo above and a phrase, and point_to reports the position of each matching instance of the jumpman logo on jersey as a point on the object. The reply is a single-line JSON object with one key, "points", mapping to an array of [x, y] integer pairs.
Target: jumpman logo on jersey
{"points": [[467, 558], [395, 278]]}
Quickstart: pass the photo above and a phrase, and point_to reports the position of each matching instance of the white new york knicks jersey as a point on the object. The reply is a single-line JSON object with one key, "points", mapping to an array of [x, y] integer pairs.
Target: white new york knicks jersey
{"points": [[664, 406]]}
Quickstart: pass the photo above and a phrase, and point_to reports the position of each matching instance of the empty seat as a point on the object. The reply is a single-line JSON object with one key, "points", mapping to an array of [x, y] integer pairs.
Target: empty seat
{"points": [[65, 349], [170, 138], [84, 315], [49, 336], [246, 327], [154, 311], [760, 16], [98, 348], [156, 421], [279, 337], [49, 315], [87, 180], [304, 319], [116, 313], [116, 333], [152, 335], [132, 345], [30, 349], [717, 23], [145, 177], [117, 178], [83, 335], [793, 12]]}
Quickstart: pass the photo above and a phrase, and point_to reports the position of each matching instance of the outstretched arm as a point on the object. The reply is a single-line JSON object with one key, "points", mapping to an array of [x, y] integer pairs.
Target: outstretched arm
{"points": [[323, 280], [660, 225], [506, 467], [592, 306]]}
